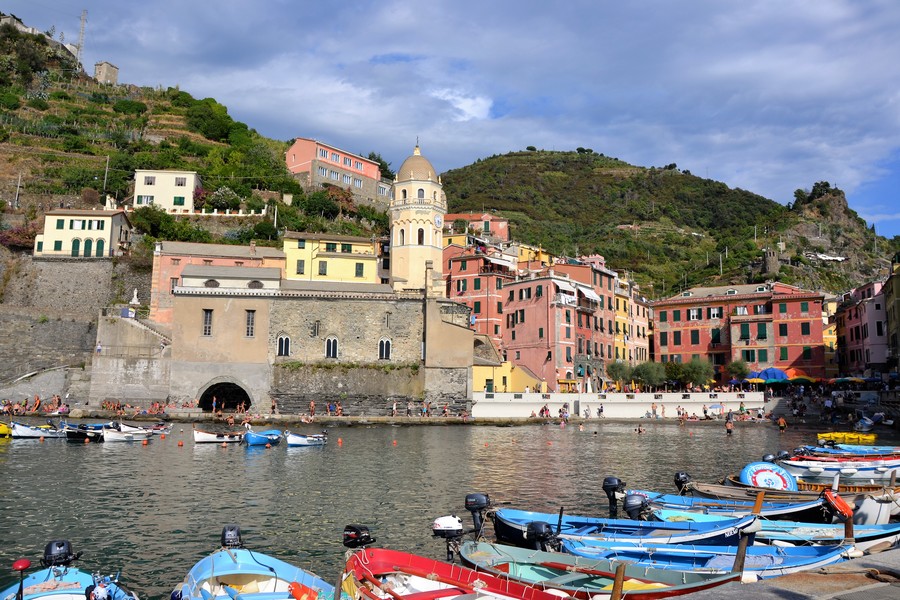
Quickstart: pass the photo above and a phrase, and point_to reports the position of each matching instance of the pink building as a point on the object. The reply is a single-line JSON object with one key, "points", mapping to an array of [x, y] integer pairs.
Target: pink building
{"points": [[477, 279], [862, 331], [170, 259], [484, 225], [316, 163]]}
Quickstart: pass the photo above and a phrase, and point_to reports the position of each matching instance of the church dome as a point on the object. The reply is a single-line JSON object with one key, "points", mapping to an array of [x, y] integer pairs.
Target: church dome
{"points": [[416, 167]]}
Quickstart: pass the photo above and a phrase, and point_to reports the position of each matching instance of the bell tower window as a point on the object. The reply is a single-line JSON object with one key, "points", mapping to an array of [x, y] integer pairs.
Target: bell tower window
{"points": [[403, 194], [421, 193], [421, 237]]}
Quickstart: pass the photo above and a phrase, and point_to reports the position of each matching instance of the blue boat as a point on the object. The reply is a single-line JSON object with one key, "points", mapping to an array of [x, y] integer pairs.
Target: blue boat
{"points": [[269, 437], [59, 580], [815, 510], [869, 538], [760, 561], [527, 529], [235, 572]]}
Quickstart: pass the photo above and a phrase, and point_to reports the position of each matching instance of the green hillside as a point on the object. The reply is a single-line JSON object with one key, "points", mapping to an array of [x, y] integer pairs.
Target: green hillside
{"points": [[667, 227]]}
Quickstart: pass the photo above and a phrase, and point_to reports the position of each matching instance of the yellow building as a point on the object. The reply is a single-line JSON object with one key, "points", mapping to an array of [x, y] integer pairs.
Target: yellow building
{"points": [[326, 257], [84, 233], [829, 336], [417, 221], [624, 329], [532, 254]]}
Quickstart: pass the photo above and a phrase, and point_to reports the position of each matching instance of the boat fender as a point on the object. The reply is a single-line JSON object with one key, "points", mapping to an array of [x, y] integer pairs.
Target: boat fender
{"points": [[752, 528], [768, 475], [838, 505], [301, 592]]}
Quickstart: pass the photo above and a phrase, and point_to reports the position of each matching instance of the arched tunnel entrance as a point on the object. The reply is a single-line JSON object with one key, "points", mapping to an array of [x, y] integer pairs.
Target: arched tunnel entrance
{"points": [[229, 396]]}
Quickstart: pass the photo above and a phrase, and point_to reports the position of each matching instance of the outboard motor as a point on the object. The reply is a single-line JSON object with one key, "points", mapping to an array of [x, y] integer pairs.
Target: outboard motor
{"points": [[58, 553], [801, 452], [231, 537], [476, 504], [613, 486], [449, 528], [681, 480], [829, 443], [782, 455], [636, 507], [541, 536], [357, 536], [769, 458]]}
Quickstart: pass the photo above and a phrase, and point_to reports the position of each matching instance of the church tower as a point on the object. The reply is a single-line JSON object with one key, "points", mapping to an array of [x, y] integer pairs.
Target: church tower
{"points": [[417, 212]]}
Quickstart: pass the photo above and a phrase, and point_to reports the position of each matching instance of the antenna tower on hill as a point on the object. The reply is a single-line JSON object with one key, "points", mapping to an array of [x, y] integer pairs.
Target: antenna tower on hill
{"points": [[81, 35]]}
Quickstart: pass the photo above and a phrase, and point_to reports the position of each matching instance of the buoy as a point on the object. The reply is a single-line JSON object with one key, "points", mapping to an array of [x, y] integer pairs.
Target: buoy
{"points": [[549, 443], [144, 443], [485, 444], [340, 442], [180, 443], [162, 436], [395, 442]]}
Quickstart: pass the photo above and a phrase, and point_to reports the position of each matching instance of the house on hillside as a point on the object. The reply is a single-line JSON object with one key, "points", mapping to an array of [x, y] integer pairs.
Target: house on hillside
{"points": [[172, 191], [106, 72], [317, 164], [84, 233]]}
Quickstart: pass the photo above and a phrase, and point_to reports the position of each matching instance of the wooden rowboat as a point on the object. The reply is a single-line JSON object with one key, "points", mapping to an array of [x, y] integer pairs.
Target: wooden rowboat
{"points": [[217, 437]]}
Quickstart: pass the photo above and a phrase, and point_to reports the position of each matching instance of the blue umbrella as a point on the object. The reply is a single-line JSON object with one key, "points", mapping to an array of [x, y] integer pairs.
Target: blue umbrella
{"points": [[772, 374]]}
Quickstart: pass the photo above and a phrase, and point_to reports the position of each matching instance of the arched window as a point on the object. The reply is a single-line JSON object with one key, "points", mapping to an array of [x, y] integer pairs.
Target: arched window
{"points": [[88, 246], [76, 247], [99, 251], [384, 350], [284, 345], [420, 193], [402, 236], [421, 237], [403, 194], [331, 347], [255, 285], [211, 283]]}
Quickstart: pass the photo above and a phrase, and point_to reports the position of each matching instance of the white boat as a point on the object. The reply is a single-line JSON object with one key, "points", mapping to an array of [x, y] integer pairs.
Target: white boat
{"points": [[34, 432], [298, 439], [111, 434], [877, 470], [217, 437], [158, 429]]}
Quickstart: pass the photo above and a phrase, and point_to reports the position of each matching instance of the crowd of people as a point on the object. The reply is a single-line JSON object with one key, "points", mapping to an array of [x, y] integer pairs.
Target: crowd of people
{"points": [[54, 406]]}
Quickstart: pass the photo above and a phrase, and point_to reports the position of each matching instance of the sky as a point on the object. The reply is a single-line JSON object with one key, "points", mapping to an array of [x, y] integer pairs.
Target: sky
{"points": [[767, 96]]}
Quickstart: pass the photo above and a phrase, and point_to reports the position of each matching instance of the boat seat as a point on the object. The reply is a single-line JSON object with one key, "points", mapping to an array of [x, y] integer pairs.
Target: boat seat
{"points": [[568, 578]]}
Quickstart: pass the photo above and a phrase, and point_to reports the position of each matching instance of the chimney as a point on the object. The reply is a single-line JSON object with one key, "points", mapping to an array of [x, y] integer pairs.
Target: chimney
{"points": [[253, 248]]}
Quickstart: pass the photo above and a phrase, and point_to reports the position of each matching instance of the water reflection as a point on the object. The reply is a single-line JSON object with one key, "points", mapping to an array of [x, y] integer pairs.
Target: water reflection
{"points": [[154, 510]]}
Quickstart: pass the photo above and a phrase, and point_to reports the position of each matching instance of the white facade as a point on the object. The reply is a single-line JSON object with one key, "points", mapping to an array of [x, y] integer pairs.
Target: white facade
{"points": [[172, 191]]}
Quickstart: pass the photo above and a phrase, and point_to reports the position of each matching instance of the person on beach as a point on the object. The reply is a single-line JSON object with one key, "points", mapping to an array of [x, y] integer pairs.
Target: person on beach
{"points": [[312, 408], [729, 427], [782, 424]]}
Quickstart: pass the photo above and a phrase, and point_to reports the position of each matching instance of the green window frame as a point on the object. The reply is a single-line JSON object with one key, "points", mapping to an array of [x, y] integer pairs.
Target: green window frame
{"points": [[60, 223], [782, 307], [745, 331], [676, 338], [783, 329], [763, 354], [301, 266], [477, 285], [663, 317], [359, 269], [804, 307], [695, 337], [807, 353], [301, 244], [663, 338], [540, 333], [178, 200], [805, 328], [476, 308], [716, 336], [57, 246], [676, 316], [783, 353], [761, 333], [330, 246], [40, 246], [347, 248]]}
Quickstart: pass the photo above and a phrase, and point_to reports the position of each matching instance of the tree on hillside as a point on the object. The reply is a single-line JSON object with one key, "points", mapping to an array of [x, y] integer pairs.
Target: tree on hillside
{"points": [[383, 166]]}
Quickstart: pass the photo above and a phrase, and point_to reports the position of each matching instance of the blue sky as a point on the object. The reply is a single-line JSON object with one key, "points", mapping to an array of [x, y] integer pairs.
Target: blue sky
{"points": [[768, 96]]}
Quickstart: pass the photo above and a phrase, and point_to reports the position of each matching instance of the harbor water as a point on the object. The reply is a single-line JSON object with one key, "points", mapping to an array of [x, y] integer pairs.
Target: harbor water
{"points": [[153, 511]]}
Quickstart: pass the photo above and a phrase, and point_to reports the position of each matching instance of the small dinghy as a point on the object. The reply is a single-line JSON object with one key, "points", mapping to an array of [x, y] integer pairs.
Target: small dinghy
{"points": [[217, 437], [59, 580], [269, 437], [236, 572], [297, 439], [23, 431]]}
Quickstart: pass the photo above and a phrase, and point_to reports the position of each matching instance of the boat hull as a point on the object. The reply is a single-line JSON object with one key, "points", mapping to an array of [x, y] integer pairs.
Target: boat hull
{"points": [[510, 527], [296, 439], [251, 575], [583, 578], [270, 437], [222, 437], [23, 431]]}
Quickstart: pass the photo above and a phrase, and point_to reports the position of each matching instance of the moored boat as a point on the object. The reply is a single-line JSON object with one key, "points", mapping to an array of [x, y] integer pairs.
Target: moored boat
{"points": [[5, 430], [847, 437], [527, 529], [297, 439], [217, 437], [382, 574], [583, 578], [59, 580], [762, 561], [811, 510], [111, 434], [237, 572], [82, 433], [269, 437], [25, 431], [810, 467]]}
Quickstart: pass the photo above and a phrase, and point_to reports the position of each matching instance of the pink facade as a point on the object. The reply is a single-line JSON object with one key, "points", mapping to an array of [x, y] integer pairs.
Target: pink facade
{"points": [[305, 154], [170, 259], [482, 224], [862, 331], [766, 325], [477, 280]]}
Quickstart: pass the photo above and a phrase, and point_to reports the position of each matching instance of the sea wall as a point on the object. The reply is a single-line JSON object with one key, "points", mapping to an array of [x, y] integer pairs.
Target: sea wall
{"points": [[34, 340], [616, 405], [131, 365]]}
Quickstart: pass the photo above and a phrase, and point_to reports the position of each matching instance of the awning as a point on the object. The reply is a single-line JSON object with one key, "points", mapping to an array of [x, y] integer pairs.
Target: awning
{"points": [[564, 287], [589, 293]]}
